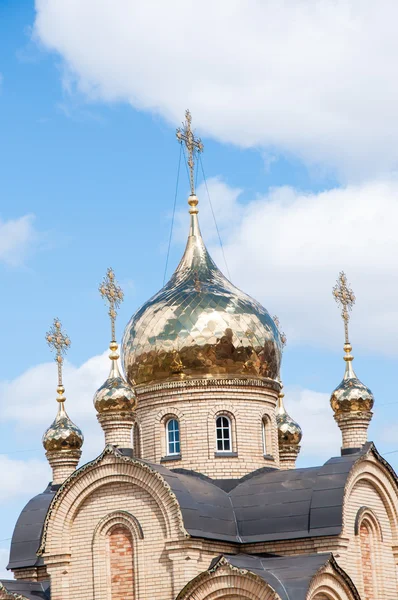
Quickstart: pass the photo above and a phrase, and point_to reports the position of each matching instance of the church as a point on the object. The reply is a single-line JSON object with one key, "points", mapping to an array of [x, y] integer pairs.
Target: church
{"points": [[196, 494]]}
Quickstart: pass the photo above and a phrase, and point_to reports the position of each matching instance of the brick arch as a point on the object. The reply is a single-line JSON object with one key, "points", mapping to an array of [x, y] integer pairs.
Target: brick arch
{"points": [[225, 582], [331, 583], [115, 524], [379, 478], [109, 469]]}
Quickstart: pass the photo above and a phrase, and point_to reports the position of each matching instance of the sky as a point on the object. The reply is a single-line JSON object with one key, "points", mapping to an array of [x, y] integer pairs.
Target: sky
{"points": [[297, 106]]}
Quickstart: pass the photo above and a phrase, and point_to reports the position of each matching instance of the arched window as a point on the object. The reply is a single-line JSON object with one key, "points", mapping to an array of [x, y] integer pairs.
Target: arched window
{"points": [[121, 563], [223, 434], [266, 436], [367, 550], [136, 441], [172, 437]]}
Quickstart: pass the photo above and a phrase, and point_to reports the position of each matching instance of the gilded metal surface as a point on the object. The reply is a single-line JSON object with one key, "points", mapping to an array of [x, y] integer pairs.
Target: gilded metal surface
{"points": [[351, 395], [200, 325], [289, 432], [115, 395], [62, 433]]}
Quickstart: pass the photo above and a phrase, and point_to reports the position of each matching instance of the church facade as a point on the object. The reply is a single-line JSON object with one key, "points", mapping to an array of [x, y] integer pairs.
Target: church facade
{"points": [[196, 495]]}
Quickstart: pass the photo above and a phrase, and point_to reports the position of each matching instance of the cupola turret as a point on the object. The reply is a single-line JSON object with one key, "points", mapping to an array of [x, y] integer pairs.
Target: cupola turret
{"points": [[115, 400], [351, 401], [63, 440]]}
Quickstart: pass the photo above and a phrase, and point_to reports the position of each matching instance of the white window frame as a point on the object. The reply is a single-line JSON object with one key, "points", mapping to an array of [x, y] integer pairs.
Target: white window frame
{"points": [[223, 438], [173, 444]]}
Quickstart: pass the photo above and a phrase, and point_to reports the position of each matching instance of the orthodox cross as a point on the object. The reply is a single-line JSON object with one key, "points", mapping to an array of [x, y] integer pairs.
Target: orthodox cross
{"points": [[113, 295], [58, 342], [281, 333], [345, 298], [185, 135]]}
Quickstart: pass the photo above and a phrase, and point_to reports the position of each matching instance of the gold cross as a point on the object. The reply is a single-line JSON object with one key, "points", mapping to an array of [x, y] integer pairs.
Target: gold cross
{"points": [[193, 145], [345, 298], [281, 333], [113, 294], [58, 341]]}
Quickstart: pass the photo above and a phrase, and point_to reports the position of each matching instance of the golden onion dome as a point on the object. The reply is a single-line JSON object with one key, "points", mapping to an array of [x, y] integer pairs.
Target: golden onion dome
{"points": [[199, 325], [62, 435], [351, 395], [289, 432], [115, 395]]}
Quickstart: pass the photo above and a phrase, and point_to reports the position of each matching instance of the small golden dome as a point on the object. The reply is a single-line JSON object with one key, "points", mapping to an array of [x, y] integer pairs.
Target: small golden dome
{"points": [[62, 435], [351, 395], [289, 432], [115, 395]]}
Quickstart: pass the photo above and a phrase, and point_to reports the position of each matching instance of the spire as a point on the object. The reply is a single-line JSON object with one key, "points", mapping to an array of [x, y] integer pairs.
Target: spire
{"points": [[193, 145], [63, 439], [351, 401], [115, 400]]}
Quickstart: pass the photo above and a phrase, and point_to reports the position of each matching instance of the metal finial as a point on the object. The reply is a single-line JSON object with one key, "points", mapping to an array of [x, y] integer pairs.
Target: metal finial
{"points": [[58, 342], [281, 333], [193, 144], [112, 293], [345, 298]]}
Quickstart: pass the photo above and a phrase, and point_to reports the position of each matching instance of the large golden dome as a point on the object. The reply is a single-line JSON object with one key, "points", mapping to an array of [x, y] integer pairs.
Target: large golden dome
{"points": [[199, 325]]}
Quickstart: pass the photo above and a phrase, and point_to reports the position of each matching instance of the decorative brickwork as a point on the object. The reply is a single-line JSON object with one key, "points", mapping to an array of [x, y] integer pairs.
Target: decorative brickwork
{"points": [[196, 407], [227, 583], [121, 564]]}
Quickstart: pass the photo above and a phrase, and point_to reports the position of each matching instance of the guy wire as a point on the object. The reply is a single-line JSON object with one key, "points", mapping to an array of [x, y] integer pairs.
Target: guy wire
{"points": [[172, 220]]}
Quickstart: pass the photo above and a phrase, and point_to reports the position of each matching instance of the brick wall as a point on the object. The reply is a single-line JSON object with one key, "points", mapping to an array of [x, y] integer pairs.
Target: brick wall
{"points": [[196, 409], [366, 560], [121, 564]]}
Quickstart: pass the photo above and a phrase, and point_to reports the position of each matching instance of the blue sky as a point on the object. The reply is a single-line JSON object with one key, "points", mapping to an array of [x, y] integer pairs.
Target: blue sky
{"points": [[88, 175]]}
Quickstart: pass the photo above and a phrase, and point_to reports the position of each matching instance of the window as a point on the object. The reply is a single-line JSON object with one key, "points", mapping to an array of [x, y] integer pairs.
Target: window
{"points": [[136, 441], [266, 436], [223, 434], [172, 437]]}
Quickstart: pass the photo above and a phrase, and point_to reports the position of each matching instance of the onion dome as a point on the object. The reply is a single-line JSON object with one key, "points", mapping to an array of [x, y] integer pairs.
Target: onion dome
{"points": [[63, 434], [289, 432], [115, 395], [351, 395], [200, 325]]}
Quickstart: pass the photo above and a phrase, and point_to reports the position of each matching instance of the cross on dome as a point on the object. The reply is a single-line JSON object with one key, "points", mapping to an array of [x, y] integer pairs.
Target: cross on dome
{"points": [[193, 144], [60, 342], [345, 298], [112, 293]]}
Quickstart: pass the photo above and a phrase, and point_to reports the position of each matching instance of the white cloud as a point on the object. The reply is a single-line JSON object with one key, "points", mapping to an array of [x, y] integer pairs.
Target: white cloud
{"points": [[17, 240], [321, 436], [32, 413], [313, 78], [287, 248], [20, 476]]}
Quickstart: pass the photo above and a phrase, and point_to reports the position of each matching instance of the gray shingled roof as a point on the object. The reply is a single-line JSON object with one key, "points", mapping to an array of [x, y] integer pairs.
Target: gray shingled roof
{"points": [[28, 530], [266, 505], [32, 590], [289, 576]]}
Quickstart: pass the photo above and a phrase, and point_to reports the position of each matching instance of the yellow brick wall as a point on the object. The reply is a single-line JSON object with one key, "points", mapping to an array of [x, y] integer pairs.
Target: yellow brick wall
{"points": [[196, 408]]}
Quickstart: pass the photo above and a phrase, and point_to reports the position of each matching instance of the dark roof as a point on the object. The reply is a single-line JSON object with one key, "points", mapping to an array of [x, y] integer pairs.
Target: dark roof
{"points": [[266, 505], [32, 590], [289, 576], [28, 530]]}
